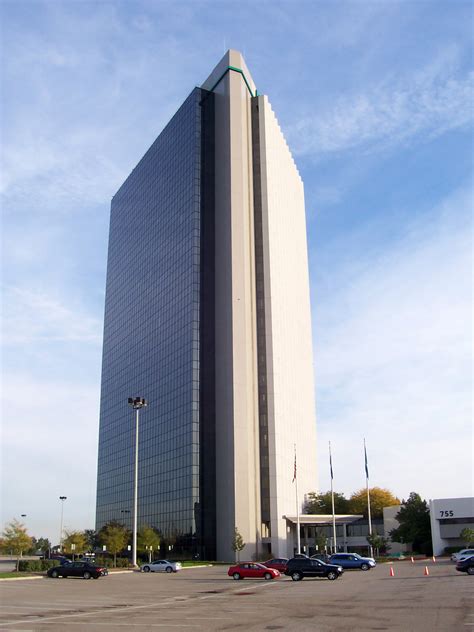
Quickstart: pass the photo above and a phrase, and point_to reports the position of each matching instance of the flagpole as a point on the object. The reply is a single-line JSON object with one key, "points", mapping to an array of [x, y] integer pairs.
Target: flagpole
{"points": [[368, 496], [298, 537], [332, 502]]}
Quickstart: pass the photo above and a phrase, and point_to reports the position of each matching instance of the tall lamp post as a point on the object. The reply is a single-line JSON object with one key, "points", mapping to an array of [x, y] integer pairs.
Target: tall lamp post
{"points": [[136, 403], [62, 499]]}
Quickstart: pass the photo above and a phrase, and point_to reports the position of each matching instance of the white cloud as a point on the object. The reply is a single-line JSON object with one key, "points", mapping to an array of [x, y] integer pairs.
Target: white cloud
{"points": [[429, 103], [393, 351], [33, 316]]}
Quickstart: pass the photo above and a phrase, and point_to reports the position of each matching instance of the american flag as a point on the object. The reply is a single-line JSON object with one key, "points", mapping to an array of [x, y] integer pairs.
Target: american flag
{"points": [[294, 472]]}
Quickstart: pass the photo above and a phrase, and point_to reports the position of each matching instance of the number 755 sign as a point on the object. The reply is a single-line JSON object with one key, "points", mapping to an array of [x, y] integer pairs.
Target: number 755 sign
{"points": [[446, 513]]}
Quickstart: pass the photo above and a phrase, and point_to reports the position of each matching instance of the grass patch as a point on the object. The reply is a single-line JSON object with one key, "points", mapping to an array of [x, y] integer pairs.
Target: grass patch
{"points": [[195, 563], [15, 574]]}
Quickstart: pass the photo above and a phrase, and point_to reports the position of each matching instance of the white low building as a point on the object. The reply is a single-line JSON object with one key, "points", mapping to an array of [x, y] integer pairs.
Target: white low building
{"points": [[449, 516]]}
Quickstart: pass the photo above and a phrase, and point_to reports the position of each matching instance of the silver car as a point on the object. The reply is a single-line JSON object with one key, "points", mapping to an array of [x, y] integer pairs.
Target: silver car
{"points": [[460, 555], [161, 566]]}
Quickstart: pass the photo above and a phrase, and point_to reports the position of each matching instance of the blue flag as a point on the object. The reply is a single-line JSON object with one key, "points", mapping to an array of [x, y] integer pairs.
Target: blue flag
{"points": [[366, 465]]}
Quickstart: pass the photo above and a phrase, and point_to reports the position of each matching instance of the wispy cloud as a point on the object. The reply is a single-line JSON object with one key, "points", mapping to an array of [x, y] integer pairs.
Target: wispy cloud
{"points": [[393, 357], [394, 112], [35, 317]]}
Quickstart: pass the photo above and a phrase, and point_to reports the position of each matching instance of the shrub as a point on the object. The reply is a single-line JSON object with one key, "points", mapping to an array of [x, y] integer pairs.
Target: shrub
{"points": [[36, 566], [123, 562]]}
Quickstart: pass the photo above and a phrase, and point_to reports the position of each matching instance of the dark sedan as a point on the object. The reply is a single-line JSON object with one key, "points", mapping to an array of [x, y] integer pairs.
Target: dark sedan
{"points": [[323, 557], [77, 569], [466, 566], [278, 563], [352, 560], [298, 568]]}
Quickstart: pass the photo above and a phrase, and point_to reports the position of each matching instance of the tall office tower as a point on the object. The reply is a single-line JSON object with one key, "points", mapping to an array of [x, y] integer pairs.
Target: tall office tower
{"points": [[207, 316]]}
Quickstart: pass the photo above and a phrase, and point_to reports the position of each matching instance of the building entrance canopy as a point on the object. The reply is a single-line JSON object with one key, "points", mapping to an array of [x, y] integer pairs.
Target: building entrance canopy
{"points": [[316, 520]]}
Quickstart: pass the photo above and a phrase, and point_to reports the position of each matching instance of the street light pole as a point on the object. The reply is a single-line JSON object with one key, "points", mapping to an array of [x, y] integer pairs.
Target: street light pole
{"points": [[62, 499], [136, 403]]}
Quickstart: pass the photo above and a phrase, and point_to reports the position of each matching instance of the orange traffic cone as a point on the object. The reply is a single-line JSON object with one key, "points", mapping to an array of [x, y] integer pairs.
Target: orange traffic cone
{"points": [[412, 560], [427, 572], [433, 558], [392, 572]]}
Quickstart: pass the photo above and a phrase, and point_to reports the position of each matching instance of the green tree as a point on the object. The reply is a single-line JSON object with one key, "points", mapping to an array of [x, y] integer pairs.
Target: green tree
{"points": [[41, 544], [322, 503], [378, 542], [75, 542], [92, 539], [237, 543], [467, 536], [148, 540], [415, 525], [16, 539], [379, 498], [115, 536], [321, 540]]}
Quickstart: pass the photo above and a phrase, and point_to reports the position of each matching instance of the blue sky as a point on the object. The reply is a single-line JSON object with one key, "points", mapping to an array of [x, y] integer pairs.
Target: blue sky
{"points": [[375, 99]]}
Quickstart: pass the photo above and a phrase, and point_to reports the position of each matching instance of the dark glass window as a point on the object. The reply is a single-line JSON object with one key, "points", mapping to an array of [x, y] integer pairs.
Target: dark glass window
{"points": [[152, 338]]}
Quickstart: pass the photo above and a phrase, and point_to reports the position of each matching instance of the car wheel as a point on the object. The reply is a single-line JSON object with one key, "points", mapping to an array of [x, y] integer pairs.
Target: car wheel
{"points": [[169, 569], [268, 576], [296, 577], [470, 570], [236, 575], [332, 575], [364, 567], [87, 575], [54, 574], [146, 569]]}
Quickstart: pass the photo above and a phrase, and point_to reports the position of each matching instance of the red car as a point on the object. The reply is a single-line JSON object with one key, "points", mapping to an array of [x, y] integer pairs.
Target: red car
{"points": [[253, 570], [278, 563]]}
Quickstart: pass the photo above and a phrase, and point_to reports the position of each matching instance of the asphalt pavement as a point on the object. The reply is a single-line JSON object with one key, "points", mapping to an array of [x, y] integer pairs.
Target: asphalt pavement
{"points": [[205, 599]]}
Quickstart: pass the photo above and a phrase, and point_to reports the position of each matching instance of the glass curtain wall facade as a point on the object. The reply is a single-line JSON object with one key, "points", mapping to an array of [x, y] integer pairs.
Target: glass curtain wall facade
{"points": [[159, 339]]}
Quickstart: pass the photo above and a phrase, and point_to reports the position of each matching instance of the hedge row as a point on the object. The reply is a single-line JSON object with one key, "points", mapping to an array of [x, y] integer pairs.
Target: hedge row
{"points": [[36, 565], [122, 562]]}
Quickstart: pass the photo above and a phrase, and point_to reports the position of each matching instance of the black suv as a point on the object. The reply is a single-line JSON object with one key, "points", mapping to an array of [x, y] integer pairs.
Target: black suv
{"points": [[466, 566], [298, 568]]}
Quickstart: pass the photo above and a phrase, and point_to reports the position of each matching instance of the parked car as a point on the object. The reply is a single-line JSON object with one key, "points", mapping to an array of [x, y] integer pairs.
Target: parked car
{"points": [[278, 563], [464, 553], [466, 565], [60, 559], [299, 567], [323, 557], [77, 569], [161, 566], [352, 560], [252, 570]]}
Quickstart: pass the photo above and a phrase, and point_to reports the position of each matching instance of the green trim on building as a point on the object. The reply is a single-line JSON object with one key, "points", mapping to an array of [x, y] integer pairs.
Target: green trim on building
{"points": [[235, 70]]}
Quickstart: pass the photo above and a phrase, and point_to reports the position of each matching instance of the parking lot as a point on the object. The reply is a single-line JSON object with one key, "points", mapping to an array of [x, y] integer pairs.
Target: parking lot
{"points": [[206, 599]]}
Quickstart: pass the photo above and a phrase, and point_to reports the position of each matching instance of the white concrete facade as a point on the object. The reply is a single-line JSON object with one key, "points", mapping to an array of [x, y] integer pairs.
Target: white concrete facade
{"points": [[290, 381], [237, 461]]}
